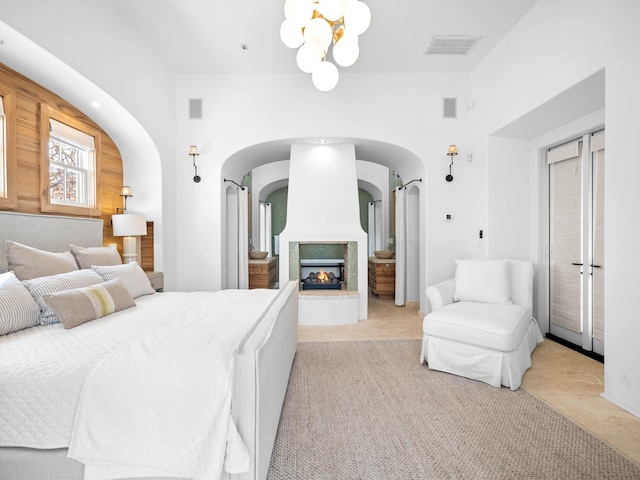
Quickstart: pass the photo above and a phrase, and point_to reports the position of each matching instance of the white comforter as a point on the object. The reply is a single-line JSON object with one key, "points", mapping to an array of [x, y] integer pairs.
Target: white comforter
{"points": [[151, 396]]}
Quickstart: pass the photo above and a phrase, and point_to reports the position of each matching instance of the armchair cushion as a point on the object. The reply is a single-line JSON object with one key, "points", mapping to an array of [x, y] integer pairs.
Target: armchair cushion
{"points": [[493, 326], [485, 281]]}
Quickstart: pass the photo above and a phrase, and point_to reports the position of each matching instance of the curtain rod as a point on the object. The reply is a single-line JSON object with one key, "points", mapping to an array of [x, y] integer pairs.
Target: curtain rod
{"points": [[235, 183], [414, 180]]}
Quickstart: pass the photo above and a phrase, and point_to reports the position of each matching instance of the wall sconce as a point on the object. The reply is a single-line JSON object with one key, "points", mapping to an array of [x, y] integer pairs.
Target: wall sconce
{"points": [[125, 193], [193, 151], [453, 150], [129, 226]]}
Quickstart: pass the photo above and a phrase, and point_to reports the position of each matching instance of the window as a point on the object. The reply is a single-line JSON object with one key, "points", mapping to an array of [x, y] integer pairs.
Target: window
{"points": [[69, 172], [8, 157]]}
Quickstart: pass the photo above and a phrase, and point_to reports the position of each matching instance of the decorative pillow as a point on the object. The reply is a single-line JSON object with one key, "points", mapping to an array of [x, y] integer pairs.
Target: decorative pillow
{"points": [[18, 309], [131, 275], [57, 283], [29, 262], [86, 257], [80, 305], [486, 281]]}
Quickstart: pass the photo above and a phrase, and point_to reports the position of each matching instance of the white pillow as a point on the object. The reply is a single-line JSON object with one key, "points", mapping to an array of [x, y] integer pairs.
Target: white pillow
{"points": [[486, 281], [18, 309], [131, 275]]}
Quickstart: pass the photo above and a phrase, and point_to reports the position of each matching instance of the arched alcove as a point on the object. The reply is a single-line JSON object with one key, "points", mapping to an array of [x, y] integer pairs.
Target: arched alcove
{"points": [[397, 159]]}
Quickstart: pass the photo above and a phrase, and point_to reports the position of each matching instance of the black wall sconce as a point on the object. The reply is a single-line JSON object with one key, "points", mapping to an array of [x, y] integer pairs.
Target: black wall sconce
{"points": [[453, 150], [193, 151]]}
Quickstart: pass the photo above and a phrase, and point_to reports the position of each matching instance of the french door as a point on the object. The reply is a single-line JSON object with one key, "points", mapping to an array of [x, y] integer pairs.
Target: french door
{"points": [[576, 243]]}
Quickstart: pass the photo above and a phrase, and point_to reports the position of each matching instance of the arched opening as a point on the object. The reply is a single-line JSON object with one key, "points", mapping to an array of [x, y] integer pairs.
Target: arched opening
{"points": [[268, 165]]}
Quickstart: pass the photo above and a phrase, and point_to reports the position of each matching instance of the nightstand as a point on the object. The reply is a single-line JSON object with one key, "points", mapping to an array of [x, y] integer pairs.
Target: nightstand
{"points": [[157, 280]]}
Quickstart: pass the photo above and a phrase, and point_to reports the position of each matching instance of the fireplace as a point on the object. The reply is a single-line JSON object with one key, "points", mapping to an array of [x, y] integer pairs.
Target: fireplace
{"points": [[333, 223], [322, 273]]}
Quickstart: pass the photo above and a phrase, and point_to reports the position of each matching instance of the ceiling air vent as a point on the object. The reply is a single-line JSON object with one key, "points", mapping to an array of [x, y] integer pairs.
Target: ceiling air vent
{"points": [[450, 45]]}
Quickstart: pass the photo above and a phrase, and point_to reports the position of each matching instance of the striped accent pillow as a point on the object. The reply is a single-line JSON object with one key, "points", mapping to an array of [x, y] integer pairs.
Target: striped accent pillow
{"points": [[80, 305], [18, 309], [57, 283]]}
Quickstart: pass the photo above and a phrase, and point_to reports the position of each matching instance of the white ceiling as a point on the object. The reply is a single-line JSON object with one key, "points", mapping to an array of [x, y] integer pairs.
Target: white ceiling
{"points": [[205, 36]]}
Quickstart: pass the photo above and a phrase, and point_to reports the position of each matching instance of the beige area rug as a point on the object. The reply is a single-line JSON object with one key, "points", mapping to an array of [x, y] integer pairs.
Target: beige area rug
{"points": [[369, 410]]}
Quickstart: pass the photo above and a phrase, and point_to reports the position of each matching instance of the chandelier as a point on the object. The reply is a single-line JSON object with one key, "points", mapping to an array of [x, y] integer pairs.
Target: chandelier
{"points": [[312, 26]]}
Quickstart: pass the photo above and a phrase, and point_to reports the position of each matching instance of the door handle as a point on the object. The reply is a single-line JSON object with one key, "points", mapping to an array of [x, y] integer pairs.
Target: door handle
{"points": [[596, 266]]}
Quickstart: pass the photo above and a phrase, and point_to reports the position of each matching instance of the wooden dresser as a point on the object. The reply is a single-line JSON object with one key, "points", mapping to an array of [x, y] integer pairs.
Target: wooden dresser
{"points": [[262, 273], [382, 276]]}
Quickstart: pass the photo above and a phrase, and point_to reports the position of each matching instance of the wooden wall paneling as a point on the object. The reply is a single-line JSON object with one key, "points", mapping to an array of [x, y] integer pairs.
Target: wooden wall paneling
{"points": [[146, 262]]}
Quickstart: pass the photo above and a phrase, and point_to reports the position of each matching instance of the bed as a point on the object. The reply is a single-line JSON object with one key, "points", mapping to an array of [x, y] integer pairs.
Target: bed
{"points": [[200, 415]]}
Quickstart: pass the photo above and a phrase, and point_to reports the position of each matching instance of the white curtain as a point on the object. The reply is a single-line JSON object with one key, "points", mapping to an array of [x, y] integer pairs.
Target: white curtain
{"points": [[401, 247], [371, 231], [381, 235], [243, 238], [265, 227]]}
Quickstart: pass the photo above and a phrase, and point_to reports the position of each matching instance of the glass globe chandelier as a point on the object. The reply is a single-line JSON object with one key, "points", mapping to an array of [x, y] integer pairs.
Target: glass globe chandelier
{"points": [[312, 26]]}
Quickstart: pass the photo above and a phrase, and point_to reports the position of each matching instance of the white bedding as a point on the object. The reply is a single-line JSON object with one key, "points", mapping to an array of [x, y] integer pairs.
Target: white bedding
{"points": [[43, 369]]}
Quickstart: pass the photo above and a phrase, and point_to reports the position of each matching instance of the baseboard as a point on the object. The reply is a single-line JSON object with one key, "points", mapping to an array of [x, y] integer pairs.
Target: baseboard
{"points": [[575, 348]]}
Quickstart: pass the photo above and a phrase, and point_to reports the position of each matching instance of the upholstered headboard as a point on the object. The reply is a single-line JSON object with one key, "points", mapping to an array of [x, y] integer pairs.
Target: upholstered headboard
{"points": [[47, 232]]}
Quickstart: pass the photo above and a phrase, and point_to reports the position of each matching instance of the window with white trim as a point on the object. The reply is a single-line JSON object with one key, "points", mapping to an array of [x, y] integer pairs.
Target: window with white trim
{"points": [[71, 166]]}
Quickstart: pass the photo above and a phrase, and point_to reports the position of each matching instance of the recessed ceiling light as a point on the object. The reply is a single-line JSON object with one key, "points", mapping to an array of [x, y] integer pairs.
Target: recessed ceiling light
{"points": [[95, 104], [322, 140]]}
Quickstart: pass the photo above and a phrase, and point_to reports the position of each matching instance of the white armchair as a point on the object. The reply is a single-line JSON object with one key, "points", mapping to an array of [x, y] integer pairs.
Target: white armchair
{"points": [[481, 325]]}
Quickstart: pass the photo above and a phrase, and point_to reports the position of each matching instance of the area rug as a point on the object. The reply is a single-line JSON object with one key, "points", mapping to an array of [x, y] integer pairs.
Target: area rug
{"points": [[369, 410]]}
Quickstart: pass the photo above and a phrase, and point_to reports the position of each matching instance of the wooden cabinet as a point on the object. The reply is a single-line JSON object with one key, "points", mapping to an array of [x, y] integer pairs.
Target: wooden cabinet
{"points": [[382, 276], [262, 273]]}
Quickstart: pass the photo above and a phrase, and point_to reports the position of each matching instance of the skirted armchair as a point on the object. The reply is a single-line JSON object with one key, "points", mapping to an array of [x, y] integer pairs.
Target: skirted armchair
{"points": [[481, 325]]}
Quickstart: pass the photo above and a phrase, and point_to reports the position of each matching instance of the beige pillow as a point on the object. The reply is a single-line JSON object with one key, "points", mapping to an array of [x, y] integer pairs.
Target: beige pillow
{"points": [[29, 262], [131, 275], [79, 305], [38, 287], [86, 257]]}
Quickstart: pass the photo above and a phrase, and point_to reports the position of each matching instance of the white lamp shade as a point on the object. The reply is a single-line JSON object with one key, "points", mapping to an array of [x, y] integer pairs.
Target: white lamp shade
{"points": [[318, 34], [325, 76], [129, 224], [357, 17], [307, 58], [298, 11], [346, 51], [291, 34], [332, 9]]}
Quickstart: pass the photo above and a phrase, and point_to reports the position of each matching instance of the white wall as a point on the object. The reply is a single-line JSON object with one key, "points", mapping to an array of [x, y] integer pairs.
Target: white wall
{"points": [[554, 47]]}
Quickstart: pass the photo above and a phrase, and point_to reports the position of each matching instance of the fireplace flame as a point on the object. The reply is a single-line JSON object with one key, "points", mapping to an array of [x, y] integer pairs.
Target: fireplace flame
{"points": [[322, 277]]}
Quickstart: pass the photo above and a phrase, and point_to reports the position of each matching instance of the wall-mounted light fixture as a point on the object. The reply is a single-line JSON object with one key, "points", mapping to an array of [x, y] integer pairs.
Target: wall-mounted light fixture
{"points": [[193, 151], [453, 150], [125, 193]]}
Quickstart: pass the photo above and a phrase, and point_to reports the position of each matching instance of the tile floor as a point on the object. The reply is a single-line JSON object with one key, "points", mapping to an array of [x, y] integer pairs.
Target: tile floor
{"points": [[566, 380]]}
